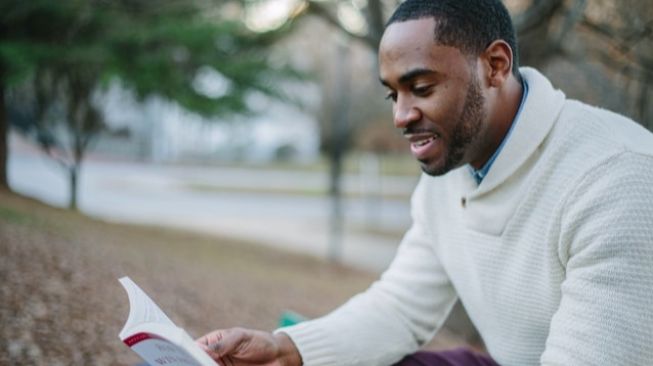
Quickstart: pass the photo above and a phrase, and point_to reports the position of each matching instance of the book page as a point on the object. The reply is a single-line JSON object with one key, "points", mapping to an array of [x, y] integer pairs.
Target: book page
{"points": [[150, 333], [141, 308]]}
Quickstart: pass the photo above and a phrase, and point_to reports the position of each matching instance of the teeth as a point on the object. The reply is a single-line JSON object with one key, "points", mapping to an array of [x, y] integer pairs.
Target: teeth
{"points": [[424, 142]]}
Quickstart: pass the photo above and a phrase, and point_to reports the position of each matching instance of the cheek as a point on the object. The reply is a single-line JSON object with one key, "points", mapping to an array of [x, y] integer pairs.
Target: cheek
{"points": [[444, 110]]}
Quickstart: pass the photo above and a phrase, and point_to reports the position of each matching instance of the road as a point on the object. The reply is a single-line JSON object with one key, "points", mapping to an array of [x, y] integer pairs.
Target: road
{"points": [[225, 201]]}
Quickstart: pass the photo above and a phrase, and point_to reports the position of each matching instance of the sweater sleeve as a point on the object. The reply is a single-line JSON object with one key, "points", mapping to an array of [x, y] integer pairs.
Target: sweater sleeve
{"points": [[605, 315], [396, 315]]}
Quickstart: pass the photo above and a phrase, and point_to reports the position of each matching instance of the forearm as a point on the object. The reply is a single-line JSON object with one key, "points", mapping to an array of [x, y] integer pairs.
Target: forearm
{"points": [[386, 322], [394, 317]]}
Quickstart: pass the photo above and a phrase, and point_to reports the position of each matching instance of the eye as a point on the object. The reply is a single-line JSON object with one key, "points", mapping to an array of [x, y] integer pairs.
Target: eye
{"points": [[422, 90], [391, 95]]}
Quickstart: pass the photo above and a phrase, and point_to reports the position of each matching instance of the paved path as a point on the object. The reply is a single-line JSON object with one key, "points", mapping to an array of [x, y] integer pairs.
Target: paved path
{"points": [[231, 202]]}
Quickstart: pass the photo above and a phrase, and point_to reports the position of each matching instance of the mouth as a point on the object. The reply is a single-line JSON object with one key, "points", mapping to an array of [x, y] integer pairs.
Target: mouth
{"points": [[422, 140], [423, 144]]}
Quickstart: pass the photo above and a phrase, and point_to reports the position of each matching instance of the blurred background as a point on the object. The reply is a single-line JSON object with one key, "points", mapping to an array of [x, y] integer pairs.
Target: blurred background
{"points": [[245, 142]]}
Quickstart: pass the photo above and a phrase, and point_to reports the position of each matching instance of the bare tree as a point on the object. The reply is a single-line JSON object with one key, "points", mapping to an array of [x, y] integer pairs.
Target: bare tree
{"points": [[616, 35]]}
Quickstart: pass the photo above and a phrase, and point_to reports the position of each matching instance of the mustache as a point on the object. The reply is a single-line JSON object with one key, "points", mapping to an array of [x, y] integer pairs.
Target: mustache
{"points": [[415, 130]]}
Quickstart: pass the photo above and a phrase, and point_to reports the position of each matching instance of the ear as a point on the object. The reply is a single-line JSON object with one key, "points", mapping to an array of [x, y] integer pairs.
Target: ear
{"points": [[498, 62]]}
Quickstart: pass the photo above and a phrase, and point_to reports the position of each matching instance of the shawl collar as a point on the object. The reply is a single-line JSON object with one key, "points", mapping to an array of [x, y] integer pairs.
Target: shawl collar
{"points": [[490, 205], [541, 109]]}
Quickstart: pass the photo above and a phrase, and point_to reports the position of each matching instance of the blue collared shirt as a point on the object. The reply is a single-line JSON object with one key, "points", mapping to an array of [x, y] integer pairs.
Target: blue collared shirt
{"points": [[481, 173]]}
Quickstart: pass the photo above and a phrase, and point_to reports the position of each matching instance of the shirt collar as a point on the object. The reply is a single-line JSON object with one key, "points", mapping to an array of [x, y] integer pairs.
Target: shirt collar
{"points": [[479, 174]]}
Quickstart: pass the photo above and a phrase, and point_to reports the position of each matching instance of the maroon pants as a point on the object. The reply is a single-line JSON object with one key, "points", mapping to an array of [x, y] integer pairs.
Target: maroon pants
{"points": [[455, 357]]}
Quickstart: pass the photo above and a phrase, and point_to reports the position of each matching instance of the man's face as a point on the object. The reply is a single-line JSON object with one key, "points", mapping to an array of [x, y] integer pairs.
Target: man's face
{"points": [[436, 97]]}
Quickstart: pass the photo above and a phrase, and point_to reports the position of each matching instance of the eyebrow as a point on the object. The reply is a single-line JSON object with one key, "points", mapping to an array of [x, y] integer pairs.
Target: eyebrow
{"points": [[410, 75]]}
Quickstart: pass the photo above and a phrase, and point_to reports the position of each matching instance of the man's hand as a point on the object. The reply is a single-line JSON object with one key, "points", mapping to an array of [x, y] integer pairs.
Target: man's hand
{"points": [[245, 347]]}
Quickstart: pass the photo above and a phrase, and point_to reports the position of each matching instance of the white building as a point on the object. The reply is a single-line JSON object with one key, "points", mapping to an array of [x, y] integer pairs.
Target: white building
{"points": [[162, 131]]}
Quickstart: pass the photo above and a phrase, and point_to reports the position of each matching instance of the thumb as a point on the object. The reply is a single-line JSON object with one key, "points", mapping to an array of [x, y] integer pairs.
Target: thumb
{"points": [[222, 343]]}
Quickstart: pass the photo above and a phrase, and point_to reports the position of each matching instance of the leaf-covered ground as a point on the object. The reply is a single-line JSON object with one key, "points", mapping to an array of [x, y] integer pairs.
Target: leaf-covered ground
{"points": [[61, 303]]}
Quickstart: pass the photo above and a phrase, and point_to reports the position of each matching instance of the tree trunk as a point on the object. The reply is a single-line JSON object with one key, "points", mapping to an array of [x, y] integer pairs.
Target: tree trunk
{"points": [[336, 224], [642, 104], [77, 151], [73, 176], [338, 147], [4, 149]]}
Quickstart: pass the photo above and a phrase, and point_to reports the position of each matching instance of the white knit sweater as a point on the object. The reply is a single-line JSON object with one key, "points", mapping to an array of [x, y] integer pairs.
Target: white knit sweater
{"points": [[551, 255]]}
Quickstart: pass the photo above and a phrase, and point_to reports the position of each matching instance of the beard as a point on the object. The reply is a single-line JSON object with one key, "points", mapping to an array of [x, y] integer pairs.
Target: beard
{"points": [[466, 131]]}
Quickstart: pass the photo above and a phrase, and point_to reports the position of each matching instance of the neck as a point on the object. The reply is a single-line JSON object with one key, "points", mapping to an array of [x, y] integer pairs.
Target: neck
{"points": [[506, 104]]}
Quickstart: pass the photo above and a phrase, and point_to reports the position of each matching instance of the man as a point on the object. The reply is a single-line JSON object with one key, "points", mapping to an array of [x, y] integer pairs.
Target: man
{"points": [[534, 210]]}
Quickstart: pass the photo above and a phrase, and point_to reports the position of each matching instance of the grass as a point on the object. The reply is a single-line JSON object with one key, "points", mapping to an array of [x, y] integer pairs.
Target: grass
{"points": [[292, 191], [10, 215], [389, 164]]}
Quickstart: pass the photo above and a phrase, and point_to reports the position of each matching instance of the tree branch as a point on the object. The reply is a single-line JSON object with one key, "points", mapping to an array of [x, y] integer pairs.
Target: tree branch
{"points": [[538, 14], [623, 44], [627, 68], [321, 11], [375, 21], [47, 149], [573, 17]]}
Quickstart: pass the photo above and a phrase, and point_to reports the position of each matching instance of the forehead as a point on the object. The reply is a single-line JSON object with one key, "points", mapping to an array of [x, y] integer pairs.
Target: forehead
{"points": [[410, 45]]}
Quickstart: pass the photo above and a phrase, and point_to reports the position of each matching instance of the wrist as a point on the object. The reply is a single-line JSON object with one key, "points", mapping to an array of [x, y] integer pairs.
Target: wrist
{"points": [[288, 352]]}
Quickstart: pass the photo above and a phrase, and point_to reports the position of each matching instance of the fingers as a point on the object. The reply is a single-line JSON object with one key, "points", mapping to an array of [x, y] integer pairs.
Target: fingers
{"points": [[244, 347], [209, 339], [226, 361], [221, 343]]}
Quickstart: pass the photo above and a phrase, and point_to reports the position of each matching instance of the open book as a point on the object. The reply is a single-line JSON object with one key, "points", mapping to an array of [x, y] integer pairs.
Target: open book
{"points": [[151, 334]]}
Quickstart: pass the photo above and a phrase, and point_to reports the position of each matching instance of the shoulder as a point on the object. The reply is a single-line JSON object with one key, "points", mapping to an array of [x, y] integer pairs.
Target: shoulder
{"points": [[590, 144], [610, 154], [586, 125]]}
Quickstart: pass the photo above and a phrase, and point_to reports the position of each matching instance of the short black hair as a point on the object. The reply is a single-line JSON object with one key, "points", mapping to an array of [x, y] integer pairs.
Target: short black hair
{"points": [[469, 25]]}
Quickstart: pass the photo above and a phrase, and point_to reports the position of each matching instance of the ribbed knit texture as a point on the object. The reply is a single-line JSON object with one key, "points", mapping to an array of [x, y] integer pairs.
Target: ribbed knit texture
{"points": [[552, 255]]}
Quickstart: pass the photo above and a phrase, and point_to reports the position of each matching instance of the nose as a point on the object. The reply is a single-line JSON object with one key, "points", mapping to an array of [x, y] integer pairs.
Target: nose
{"points": [[405, 112]]}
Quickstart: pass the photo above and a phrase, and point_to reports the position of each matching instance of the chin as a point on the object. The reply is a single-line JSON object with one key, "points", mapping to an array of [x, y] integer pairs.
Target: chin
{"points": [[442, 166], [434, 170]]}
